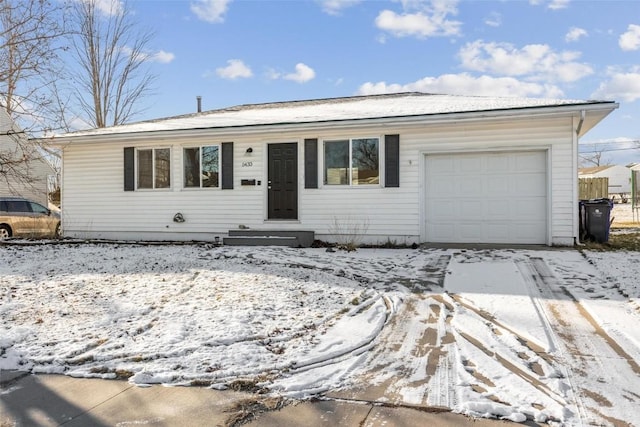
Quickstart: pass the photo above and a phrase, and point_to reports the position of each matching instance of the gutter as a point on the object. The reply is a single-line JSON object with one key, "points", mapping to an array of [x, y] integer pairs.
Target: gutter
{"points": [[311, 126]]}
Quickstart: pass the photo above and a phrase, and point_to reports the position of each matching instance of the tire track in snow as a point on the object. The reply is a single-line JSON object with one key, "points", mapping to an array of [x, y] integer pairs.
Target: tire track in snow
{"points": [[411, 363], [603, 369]]}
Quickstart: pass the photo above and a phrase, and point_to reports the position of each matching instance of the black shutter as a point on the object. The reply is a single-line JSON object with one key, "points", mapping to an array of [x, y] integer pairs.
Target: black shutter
{"points": [[227, 165], [129, 168], [392, 160], [311, 163]]}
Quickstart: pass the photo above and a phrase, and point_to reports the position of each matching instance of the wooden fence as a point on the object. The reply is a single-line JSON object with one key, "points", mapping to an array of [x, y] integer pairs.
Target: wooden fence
{"points": [[593, 188]]}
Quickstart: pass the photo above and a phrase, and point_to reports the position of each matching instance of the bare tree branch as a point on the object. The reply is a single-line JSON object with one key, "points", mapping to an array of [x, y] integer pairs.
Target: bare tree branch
{"points": [[110, 51], [30, 39], [593, 158]]}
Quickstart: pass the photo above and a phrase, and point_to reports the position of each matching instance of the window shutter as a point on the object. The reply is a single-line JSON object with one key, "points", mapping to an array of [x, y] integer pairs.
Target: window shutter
{"points": [[392, 160], [227, 165], [311, 163], [129, 169]]}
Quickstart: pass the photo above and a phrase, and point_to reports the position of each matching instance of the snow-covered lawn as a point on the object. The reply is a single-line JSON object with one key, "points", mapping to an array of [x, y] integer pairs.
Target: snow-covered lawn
{"points": [[549, 335]]}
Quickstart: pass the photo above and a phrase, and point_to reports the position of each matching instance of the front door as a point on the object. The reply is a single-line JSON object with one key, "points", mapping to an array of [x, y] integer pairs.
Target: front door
{"points": [[283, 181]]}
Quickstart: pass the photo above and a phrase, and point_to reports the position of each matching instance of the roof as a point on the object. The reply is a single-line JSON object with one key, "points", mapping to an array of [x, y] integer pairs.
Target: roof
{"points": [[593, 169], [597, 169], [399, 105]]}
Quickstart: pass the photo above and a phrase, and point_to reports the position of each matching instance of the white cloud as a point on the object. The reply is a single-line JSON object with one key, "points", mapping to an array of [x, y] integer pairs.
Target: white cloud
{"points": [[303, 74], [421, 19], [234, 70], [575, 34], [536, 61], [620, 87], [631, 39], [107, 7], [161, 56], [334, 7], [465, 84], [494, 19], [272, 74], [559, 4], [553, 4], [210, 10]]}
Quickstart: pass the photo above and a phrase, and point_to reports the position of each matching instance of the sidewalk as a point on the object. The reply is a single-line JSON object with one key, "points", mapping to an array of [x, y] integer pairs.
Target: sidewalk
{"points": [[56, 400]]}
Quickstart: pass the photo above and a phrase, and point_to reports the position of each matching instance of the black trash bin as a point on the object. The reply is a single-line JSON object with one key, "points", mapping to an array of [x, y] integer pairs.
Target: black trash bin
{"points": [[595, 217]]}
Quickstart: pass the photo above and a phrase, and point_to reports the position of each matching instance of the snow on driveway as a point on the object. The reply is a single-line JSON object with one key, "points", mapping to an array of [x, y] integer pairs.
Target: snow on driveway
{"points": [[549, 336]]}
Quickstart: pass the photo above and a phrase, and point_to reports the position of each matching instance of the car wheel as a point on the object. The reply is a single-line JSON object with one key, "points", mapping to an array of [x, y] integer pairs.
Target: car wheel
{"points": [[57, 233], [5, 232]]}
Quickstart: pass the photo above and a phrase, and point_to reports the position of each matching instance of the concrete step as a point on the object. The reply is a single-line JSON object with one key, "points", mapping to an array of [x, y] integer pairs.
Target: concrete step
{"points": [[304, 238], [261, 241]]}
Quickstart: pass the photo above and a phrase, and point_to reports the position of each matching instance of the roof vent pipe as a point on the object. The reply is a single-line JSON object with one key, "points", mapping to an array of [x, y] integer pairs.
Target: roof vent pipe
{"points": [[199, 99]]}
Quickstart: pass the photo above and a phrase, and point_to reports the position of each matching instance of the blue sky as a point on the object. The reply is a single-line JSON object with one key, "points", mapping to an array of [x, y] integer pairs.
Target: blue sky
{"points": [[234, 52]]}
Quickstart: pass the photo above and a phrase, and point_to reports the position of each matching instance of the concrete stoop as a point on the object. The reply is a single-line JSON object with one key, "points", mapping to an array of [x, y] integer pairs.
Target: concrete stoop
{"points": [[250, 237]]}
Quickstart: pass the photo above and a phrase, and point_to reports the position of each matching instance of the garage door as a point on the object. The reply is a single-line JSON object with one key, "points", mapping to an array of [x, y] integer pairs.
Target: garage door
{"points": [[486, 197]]}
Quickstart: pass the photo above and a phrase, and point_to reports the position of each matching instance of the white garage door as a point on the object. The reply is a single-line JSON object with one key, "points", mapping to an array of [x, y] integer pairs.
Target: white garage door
{"points": [[486, 197]]}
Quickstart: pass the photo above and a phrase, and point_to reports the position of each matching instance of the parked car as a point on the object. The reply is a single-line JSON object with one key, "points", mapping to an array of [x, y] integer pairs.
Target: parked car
{"points": [[20, 217]]}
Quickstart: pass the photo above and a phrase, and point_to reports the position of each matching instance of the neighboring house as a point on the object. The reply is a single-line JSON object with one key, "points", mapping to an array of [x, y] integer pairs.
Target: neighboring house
{"points": [[28, 173], [619, 177], [400, 168]]}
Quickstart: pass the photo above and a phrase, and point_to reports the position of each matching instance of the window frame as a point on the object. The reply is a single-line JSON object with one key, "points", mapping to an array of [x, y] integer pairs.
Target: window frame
{"points": [[350, 166], [200, 153], [154, 186]]}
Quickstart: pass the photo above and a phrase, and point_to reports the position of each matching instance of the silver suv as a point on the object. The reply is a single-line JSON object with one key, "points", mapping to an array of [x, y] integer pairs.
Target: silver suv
{"points": [[20, 217]]}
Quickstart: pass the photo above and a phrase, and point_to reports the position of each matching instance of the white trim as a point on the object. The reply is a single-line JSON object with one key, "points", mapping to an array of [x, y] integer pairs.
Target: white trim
{"points": [[183, 147], [322, 170], [575, 184], [153, 168]]}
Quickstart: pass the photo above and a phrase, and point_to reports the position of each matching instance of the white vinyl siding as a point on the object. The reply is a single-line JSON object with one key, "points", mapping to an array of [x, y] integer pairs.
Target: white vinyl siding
{"points": [[94, 203]]}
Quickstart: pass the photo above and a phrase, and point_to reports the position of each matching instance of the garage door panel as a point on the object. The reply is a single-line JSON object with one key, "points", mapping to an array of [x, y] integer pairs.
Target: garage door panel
{"points": [[486, 197], [467, 166], [442, 166], [498, 209], [527, 162], [498, 186], [469, 232], [498, 164], [440, 186], [443, 209], [529, 209], [530, 184], [468, 186], [498, 232]]}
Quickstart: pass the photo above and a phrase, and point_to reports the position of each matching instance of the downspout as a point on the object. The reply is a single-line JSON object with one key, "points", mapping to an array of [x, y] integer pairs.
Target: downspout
{"points": [[576, 206], [583, 114]]}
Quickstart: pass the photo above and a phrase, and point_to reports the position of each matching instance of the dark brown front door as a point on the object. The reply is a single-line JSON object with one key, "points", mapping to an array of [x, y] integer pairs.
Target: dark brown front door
{"points": [[283, 181]]}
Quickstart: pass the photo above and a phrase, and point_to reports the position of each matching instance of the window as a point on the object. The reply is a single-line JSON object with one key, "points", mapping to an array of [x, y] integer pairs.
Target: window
{"points": [[154, 168], [202, 166], [18, 206], [352, 162], [38, 208]]}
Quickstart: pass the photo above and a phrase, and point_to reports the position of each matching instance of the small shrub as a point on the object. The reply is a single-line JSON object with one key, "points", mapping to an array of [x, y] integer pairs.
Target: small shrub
{"points": [[348, 232]]}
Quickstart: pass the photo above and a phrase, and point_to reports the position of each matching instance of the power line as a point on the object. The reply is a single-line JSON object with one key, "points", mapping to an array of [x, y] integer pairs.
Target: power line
{"points": [[612, 141], [609, 150]]}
